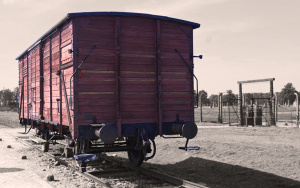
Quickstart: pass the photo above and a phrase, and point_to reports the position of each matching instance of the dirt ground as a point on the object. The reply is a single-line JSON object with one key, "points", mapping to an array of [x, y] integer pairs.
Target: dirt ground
{"points": [[32, 172], [228, 157], [234, 157]]}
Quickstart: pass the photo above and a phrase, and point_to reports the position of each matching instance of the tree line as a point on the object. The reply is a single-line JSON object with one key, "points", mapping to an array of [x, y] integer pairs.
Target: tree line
{"points": [[285, 97], [8, 99]]}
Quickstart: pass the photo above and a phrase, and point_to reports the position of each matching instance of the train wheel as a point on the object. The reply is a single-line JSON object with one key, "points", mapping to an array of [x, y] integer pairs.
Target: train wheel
{"points": [[136, 156]]}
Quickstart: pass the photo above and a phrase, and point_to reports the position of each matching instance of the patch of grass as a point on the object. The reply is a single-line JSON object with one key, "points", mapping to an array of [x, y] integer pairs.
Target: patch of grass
{"points": [[9, 118]]}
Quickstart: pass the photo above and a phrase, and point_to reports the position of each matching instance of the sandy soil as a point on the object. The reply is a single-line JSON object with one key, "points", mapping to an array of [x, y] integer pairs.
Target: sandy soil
{"points": [[228, 157], [32, 172], [234, 157]]}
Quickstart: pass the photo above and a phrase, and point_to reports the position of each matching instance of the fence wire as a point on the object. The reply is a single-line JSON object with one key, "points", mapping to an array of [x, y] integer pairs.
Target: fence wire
{"points": [[286, 115]]}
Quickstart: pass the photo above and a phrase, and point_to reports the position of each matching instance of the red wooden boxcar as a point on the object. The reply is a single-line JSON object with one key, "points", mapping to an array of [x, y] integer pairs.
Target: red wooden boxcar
{"points": [[110, 75]]}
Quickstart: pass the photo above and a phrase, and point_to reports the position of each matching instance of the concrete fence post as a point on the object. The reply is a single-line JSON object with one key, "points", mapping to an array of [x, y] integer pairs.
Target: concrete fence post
{"points": [[201, 119], [297, 108], [276, 107], [220, 118]]}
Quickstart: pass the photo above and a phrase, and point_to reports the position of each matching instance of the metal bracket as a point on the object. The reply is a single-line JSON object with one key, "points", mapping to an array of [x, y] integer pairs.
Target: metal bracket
{"points": [[166, 137], [76, 71], [189, 148], [192, 73]]}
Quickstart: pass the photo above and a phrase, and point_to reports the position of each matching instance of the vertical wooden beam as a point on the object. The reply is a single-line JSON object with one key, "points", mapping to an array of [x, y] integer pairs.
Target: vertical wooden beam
{"points": [[76, 116], [191, 106], [244, 100], [60, 84], [27, 87], [117, 73], [272, 119], [158, 78], [21, 101], [241, 103], [41, 113], [62, 78], [29, 84], [33, 84], [50, 51], [23, 92], [35, 80], [276, 107]]}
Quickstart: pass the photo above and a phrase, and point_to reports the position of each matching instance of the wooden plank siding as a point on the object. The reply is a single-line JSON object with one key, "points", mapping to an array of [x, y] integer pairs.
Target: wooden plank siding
{"points": [[37, 75], [66, 60], [22, 87], [132, 76], [177, 82], [96, 79], [34, 83], [46, 78], [29, 82], [137, 77], [55, 78], [54, 55]]}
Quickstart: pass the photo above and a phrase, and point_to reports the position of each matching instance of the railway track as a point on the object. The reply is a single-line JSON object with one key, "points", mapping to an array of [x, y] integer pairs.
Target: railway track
{"points": [[110, 172]]}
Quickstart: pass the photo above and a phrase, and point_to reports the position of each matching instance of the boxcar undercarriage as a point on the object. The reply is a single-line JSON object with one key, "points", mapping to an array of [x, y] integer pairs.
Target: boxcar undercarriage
{"points": [[98, 138]]}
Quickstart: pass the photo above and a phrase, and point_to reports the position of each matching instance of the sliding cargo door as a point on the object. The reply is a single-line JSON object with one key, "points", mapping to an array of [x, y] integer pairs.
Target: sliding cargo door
{"points": [[23, 87], [34, 77], [65, 63], [55, 78], [47, 80]]}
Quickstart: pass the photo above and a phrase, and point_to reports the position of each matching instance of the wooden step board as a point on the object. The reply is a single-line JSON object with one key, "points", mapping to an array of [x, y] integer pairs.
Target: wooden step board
{"points": [[37, 140], [97, 125]]}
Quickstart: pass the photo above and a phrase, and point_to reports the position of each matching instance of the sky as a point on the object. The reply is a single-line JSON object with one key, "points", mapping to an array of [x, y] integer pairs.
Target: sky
{"points": [[239, 39]]}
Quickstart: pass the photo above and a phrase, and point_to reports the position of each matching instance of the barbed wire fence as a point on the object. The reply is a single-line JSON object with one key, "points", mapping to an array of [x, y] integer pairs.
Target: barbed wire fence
{"points": [[229, 113]]}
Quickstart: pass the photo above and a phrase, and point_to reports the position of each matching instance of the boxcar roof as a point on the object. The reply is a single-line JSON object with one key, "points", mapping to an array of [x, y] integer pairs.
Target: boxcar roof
{"points": [[69, 16]]}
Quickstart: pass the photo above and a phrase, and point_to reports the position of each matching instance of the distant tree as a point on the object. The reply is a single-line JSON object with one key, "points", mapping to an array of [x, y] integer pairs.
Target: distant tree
{"points": [[205, 100], [213, 100], [287, 94], [229, 97], [1, 98], [248, 97], [14, 102], [7, 97]]}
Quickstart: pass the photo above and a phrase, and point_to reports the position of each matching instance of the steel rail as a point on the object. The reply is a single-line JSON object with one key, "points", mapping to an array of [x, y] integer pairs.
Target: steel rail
{"points": [[65, 163], [158, 175], [141, 170]]}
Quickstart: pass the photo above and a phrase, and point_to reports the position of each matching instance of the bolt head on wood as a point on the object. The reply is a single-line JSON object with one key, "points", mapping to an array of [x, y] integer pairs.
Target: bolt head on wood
{"points": [[0, 139], [24, 157], [9, 146]]}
